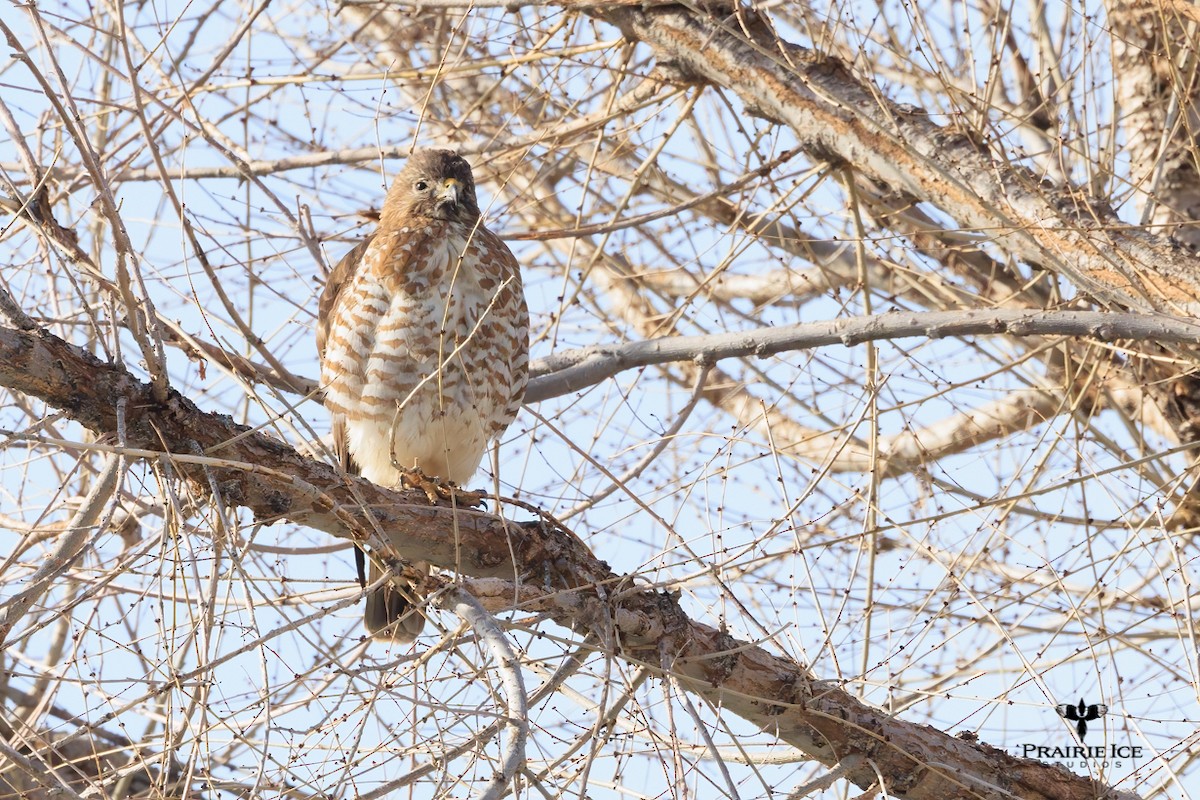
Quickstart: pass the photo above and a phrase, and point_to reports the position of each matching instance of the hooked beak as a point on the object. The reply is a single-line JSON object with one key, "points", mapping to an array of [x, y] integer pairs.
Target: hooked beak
{"points": [[451, 192]]}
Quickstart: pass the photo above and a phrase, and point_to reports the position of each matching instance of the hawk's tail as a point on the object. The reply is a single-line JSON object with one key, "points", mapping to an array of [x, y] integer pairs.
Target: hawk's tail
{"points": [[389, 614]]}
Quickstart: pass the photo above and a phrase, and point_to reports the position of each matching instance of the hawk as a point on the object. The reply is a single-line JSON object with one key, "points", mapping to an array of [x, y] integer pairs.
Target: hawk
{"points": [[423, 336]]}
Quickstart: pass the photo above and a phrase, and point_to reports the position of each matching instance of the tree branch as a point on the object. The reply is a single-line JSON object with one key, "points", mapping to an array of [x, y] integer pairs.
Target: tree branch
{"points": [[773, 692], [837, 117], [576, 369]]}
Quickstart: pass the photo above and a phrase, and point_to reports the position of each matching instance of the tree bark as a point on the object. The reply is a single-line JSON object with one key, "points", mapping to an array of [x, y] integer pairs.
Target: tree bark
{"points": [[274, 482], [837, 117]]}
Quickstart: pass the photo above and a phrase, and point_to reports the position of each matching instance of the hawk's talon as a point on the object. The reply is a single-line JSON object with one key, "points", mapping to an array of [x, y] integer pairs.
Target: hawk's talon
{"points": [[413, 478], [435, 490], [467, 498]]}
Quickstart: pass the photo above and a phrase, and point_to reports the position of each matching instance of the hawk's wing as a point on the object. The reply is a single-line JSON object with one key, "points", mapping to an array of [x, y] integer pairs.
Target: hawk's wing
{"points": [[338, 279], [334, 284], [510, 302]]}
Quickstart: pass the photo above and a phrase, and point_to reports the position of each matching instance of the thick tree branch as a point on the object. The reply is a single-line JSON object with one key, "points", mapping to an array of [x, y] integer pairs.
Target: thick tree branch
{"points": [[836, 116], [272, 480]]}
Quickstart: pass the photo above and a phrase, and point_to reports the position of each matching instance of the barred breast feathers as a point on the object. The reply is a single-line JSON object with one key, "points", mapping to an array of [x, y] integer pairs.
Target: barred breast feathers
{"points": [[425, 351]]}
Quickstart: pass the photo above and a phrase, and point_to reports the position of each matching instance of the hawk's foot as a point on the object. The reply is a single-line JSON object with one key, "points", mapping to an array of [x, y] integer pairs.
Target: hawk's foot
{"points": [[413, 478], [435, 490]]}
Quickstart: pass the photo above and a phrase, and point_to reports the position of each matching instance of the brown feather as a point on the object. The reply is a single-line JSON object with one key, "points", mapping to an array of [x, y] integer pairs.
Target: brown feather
{"points": [[386, 611], [423, 337], [338, 279]]}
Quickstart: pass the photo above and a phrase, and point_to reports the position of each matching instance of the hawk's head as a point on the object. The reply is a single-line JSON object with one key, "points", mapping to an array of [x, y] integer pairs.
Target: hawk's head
{"points": [[434, 184]]}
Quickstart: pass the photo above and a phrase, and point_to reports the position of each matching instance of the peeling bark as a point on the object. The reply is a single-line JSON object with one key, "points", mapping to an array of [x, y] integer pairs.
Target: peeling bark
{"points": [[838, 117], [771, 691], [1155, 60]]}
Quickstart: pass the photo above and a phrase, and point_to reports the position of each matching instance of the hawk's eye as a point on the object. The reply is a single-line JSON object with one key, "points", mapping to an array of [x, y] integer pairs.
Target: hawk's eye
{"points": [[421, 186]]}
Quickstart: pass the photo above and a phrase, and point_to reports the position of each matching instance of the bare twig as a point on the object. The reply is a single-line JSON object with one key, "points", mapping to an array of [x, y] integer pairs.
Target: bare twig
{"points": [[835, 114], [70, 545]]}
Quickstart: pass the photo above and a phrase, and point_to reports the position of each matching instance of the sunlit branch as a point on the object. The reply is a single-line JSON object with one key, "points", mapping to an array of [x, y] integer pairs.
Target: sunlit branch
{"points": [[577, 369], [516, 714], [273, 481], [836, 115]]}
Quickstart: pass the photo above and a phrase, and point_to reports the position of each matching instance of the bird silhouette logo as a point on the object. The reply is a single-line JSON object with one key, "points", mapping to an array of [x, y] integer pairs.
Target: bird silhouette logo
{"points": [[1081, 714]]}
